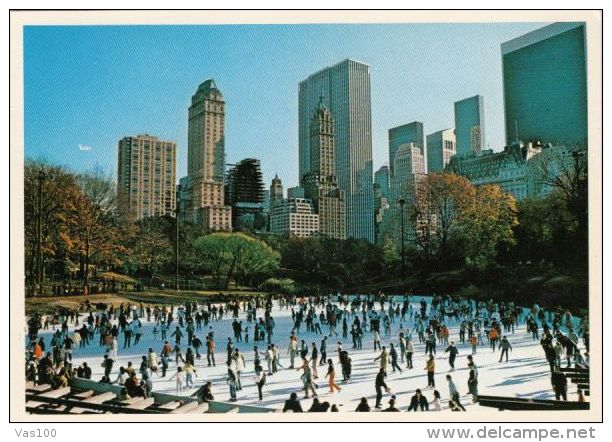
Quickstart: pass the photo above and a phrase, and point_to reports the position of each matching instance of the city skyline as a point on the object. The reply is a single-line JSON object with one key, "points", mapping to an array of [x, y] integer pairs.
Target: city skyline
{"points": [[58, 123]]}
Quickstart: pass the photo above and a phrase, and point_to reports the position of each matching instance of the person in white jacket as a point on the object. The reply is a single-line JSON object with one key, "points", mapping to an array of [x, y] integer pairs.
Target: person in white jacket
{"points": [[240, 362], [409, 352], [270, 359], [152, 361], [435, 404], [112, 353]]}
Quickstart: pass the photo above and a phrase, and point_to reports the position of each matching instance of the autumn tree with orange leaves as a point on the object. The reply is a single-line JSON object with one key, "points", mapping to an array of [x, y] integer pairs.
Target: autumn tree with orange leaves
{"points": [[449, 208]]}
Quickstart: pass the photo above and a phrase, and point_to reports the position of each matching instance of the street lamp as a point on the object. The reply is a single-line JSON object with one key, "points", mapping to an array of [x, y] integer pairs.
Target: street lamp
{"points": [[176, 274], [401, 202], [39, 266]]}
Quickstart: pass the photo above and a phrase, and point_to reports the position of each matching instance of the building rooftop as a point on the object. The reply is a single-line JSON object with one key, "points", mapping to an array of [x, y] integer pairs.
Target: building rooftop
{"points": [[208, 86], [538, 35], [346, 60]]}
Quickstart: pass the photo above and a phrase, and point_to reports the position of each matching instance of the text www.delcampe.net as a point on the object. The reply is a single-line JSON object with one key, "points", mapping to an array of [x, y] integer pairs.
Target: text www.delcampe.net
{"points": [[499, 432]]}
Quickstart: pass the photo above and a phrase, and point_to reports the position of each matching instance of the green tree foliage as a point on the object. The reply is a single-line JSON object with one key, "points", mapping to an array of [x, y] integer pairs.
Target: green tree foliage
{"points": [[235, 256], [150, 247], [332, 263], [553, 230], [284, 286]]}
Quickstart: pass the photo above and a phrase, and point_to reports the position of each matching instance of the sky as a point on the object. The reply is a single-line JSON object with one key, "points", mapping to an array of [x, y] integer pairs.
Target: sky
{"points": [[86, 87]]}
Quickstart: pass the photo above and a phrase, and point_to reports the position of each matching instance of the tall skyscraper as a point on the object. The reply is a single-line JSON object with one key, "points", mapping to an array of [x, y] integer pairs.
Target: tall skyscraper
{"points": [[206, 158], [409, 169], [409, 161], [381, 199], [407, 133], [346, 91], [295, 192], [320, 183], [276, 191], [545, 85], [146, 177], [245, 194], [441, 146], [381, 177], [470, 125]]}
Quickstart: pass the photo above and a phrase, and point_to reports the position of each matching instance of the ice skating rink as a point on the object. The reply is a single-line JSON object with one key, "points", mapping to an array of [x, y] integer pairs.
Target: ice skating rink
{"points": [[526, 375]]}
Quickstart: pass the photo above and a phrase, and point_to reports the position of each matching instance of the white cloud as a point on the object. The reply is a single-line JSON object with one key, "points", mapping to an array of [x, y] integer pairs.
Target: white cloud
{"points": [[84, 147]]}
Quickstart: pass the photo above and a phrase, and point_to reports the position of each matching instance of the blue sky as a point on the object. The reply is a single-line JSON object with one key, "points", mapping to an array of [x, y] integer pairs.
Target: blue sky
{"points": [[92, 85]]}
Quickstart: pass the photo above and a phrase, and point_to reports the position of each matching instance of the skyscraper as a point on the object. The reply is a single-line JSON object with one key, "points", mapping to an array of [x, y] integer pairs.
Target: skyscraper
{"points": [[146, 177], [206, 158], [381, 177], [245, 194], [440, 149], [470, 125], [381, 199], [345, 88], [408, 161], [545, 85], [407, 133], [276, 191], [320, 183], [409, 169]]}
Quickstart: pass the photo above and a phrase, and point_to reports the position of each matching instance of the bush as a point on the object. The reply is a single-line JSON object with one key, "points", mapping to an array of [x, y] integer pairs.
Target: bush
{"points": [[471, 292], [285, 286]]}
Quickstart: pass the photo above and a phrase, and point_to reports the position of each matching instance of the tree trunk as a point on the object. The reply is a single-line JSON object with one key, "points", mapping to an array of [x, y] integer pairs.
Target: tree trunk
{"points": [[229, 274], [87, 253]]}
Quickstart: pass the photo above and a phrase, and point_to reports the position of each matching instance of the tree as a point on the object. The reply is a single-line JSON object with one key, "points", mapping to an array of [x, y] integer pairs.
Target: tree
{"points": [[235, 256], [560, 176], [150, 248], [487, 223], [98, 228], [439, 202], [59, 196]]}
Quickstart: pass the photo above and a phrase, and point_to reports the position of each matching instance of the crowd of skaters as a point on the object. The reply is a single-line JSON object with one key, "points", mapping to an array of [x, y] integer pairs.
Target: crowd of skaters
{"points": [[187, 332]]}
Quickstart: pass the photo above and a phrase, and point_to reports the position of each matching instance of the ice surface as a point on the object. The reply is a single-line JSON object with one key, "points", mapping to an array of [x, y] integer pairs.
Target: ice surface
{"points": [[526, 375]]}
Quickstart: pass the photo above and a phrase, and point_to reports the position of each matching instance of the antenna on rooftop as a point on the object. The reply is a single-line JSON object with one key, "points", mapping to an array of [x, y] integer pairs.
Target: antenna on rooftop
{"points": [[516, 130]]}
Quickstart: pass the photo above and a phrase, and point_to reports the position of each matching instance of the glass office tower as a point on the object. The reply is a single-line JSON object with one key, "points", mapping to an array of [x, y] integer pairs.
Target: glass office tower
{"points": [[545, 85], [405, 134], [470, 125], [345, 90]]}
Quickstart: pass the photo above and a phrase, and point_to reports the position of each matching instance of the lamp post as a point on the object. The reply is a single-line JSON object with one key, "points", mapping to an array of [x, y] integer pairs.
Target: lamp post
{"points": [[401, 202], [39, 266], [176, 263]]}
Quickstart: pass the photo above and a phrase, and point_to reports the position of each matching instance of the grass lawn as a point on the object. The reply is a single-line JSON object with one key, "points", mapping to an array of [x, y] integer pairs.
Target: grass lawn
{"points": [[48, 304]]}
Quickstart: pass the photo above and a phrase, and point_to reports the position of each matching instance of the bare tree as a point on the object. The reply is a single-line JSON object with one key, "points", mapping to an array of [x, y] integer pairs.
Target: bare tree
{"points": [[97, 220]]}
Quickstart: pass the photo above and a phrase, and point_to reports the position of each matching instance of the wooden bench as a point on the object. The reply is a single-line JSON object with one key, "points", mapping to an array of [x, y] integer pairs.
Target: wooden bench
{"points": [[141, 404], [573, 370], [170, 406], [201, 408], [513, 403], [186, 408], [100, 398], [56, 393], [33, 404], [95, 404], [84, 395], [38, 388]]}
